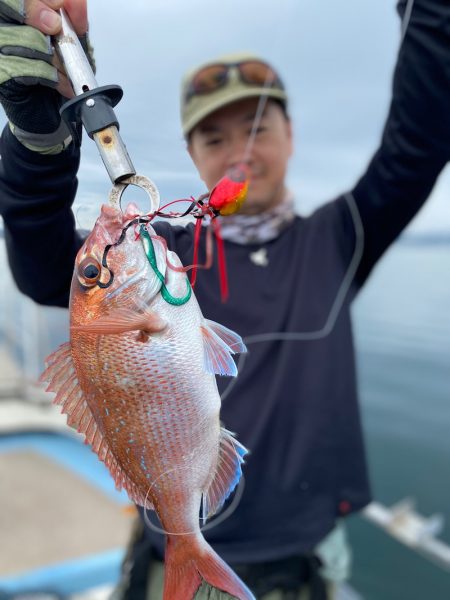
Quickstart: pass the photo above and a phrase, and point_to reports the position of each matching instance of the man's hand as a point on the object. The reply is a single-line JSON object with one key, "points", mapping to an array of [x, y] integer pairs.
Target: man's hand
{"points": [[32, 79]]}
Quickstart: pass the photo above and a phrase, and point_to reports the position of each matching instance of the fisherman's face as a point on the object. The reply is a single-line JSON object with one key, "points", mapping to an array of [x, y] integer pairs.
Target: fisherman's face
{"points": [[220, 140]]}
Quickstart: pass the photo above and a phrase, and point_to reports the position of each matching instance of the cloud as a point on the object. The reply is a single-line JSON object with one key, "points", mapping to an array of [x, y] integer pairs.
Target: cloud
{"points": [[336, 59]]}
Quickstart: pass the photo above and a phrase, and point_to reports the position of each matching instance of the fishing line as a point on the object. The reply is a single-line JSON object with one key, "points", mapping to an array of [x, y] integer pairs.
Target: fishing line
{"points": [[262, 102], [146, 517], [263, 98], [286, 336], [343, 288], [239, 490], [303, 336], [349, 275], [406, 19], [230, 509], [267, 84]]}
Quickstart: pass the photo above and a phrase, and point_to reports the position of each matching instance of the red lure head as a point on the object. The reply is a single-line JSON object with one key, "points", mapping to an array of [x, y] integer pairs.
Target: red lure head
{"points": [[229, 193]]}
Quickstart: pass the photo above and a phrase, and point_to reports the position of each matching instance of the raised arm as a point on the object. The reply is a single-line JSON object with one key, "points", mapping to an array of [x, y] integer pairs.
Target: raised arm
{"points": [[415, 144], [38, 163]]}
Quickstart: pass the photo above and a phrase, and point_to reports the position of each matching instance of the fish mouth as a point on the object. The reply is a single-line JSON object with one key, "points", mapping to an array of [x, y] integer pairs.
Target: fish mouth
{"points": [[145, 275], [111, 224]]}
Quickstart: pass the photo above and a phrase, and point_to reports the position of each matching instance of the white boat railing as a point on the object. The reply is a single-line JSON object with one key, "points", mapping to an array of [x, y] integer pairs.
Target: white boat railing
{"points": [[402, 522]]}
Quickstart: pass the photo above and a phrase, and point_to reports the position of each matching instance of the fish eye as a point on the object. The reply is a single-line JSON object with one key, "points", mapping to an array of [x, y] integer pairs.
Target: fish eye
{"points": [[89, 271]]}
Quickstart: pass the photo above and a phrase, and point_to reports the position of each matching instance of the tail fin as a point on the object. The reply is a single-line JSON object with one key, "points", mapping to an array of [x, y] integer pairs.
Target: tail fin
{"points": [[190, 561]]}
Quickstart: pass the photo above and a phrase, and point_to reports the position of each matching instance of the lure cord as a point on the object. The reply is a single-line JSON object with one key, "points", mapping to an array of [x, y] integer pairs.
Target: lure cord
{"points": [[201, 210]]}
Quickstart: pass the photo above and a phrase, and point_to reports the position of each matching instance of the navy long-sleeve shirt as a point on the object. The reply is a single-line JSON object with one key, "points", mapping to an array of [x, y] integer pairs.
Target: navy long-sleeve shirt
{"points": [[295, 403]]}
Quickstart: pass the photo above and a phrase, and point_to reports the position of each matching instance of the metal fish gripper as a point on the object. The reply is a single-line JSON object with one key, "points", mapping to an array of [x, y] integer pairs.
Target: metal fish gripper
{"points": [[93, 106]]}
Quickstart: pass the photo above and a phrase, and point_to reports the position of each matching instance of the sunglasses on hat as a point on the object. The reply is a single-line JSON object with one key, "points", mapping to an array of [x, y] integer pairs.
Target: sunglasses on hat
{"points": [[216, 76]]}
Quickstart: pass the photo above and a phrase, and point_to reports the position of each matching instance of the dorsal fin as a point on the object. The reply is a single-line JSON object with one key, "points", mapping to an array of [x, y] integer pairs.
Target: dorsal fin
{"points": [[227, 475], [79, 416]]}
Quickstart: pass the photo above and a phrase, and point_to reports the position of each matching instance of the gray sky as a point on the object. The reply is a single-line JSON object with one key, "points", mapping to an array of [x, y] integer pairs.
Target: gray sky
{"points": [[336, 59]]}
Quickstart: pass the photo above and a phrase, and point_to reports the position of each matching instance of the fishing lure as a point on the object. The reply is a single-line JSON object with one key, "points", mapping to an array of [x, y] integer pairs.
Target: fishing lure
{"points": [[226, 198], [228, 195]]}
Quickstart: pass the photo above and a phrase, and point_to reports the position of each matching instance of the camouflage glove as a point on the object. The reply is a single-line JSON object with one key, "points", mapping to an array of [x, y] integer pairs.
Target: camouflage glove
{"points": [[32, 83]]}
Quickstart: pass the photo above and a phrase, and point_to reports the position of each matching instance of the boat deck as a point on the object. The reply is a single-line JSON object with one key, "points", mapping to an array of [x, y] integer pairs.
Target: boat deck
{"points": [[63, 525]]}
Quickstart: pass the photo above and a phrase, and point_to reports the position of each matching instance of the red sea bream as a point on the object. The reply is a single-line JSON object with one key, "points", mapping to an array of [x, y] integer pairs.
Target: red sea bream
{"points": [[138, 380]]}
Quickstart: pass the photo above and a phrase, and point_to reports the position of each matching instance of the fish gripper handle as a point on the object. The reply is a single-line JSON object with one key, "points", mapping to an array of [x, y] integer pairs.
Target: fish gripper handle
{"points": [[94, 109]]}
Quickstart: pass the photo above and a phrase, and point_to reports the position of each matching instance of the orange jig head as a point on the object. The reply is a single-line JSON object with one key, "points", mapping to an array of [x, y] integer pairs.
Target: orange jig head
{"points": [[228, 195]]}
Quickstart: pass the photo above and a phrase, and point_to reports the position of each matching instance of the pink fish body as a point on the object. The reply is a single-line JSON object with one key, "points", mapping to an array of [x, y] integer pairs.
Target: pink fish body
{"points": [[138, 380]]}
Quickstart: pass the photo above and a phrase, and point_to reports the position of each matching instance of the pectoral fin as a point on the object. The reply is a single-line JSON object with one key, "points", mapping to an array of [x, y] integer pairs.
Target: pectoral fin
{"points": [[232, 339], [123, 320], [219, 344]]}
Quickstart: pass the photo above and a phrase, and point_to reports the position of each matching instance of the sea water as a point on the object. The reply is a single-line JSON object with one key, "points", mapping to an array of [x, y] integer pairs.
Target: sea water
{"points": [[402, 332]]}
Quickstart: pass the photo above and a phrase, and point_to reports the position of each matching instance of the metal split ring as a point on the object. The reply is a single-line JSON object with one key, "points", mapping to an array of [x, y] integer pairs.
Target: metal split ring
{"points": [[141, 181]]}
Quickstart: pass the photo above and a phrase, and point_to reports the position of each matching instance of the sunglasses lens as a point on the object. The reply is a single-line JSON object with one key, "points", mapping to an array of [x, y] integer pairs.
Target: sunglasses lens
{"points": [[210, 79], [258, 73], [213, 77]]}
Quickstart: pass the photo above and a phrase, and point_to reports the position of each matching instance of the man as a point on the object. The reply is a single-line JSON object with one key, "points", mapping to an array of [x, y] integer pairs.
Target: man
{"points": [[294, 405]]}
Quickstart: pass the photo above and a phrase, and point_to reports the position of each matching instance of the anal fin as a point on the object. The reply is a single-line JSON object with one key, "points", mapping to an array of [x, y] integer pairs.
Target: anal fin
{"points": [[228, 473]]}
